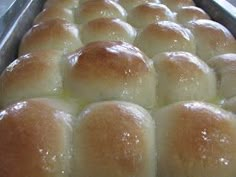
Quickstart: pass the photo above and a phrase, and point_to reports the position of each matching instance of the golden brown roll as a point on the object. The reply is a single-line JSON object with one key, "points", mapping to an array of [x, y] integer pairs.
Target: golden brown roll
{"points": [[53, 34], [62, 3], [182, 76], [176, 4], [35, 140], [32, 75], [165, 36], [55, 13], [94, 9], [195, 139], [107, 29], [110, 71], [148, 13], [130, 4], [211, 38], [114, 139], [230, 104], [189, 13], [225, 68]]}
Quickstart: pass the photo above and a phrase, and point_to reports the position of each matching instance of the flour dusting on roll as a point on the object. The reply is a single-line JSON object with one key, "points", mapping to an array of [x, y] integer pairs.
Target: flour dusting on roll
{"points": [[35, 140], [165, 36], [32, 75], [114, 139], [107, 29], [107, 70], [225, 68], [53, 34], [148, 13], [195, 139], [183, 76], [91, 10], [212, 38]]}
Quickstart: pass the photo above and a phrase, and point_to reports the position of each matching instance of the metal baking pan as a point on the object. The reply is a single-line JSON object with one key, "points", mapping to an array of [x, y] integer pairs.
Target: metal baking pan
{"points": [[13, 25], [19, 17]]}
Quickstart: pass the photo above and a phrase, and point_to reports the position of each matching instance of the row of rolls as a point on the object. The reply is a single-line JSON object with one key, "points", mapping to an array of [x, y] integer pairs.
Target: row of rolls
{"points": [[120, 88]]}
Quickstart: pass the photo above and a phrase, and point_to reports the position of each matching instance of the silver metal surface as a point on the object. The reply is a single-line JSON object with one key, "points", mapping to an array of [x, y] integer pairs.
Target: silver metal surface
{"points": [[16, 21]]}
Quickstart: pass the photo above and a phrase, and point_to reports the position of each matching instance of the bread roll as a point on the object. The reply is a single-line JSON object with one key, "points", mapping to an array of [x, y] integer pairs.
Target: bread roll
{"points": [[54, 34], [32, 75], [183, 76], [189, 13], [148, 13], [62, 3], [230, 104], [94, 9], [165, 36], [130, 4], [211, 38], [35, 140], [176, 4], [225, 68], [107, 29], [54, 13], [110, 71], [195, 139], [114, 139]]}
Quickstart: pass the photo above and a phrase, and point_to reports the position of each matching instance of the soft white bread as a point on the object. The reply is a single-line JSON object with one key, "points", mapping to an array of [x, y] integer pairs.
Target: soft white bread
{"points": [[54, 13], [110, 70], [94, 9], [211, 38], [165, 36], [175, 5], [107, 29], [189, 13], [53, 34], [183, 76], [148, 13], [130, 4], [225, 68], [195, 139], [62, 3], [114, 139], [32, 75], [35, 139], [230, 104]]}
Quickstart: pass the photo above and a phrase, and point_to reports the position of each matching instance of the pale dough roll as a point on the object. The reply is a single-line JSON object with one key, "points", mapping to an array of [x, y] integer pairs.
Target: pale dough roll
{"points": [[107, 29], [230, 104], [177, 4], [32, 75], [195, 139], [189, 13], [225, 68], [109, 70], [62, 3], [148, 13], [94, 9], [53, 34], [211, 38], [130, 4], [35, 140], [54, 13], [114, 139], [183, 76], [165, 36]]}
